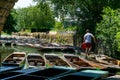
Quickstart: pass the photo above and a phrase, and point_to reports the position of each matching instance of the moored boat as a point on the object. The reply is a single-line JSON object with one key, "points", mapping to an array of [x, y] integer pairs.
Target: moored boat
{"points": [[35, 60], [109, 61], [54, 60], [15, 59], [76, 61], [84, 75]]}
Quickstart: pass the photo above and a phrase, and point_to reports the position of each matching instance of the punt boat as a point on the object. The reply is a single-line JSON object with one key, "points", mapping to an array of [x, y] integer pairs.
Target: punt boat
{"points": [[15, 59], [108, 61], [35, 60], [81, 62], [76, 61], [55, 60]]}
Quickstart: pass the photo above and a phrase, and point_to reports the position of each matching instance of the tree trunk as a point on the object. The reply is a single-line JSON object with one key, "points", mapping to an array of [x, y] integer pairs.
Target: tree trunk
{"points": [[5, 7]]}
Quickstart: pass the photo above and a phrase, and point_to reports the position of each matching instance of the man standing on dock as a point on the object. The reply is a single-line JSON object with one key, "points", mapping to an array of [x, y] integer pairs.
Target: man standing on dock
{"points": [[88, 42]]}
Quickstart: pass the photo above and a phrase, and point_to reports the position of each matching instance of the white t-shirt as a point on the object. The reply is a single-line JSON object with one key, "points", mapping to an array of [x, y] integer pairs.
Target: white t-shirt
{"points": [[88, 37]]}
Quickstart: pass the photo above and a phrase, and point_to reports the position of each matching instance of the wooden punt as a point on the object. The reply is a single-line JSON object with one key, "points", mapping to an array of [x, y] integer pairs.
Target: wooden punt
{"points": [[107, 61], [35, 60], [81, 62], [55, 60], [76, 61], [15, 59]]}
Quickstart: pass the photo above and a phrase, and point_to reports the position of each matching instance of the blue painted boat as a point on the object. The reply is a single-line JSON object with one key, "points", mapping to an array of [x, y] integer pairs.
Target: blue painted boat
{"points": [[84, 75], [36, 74], [16, 73], [8, 68], [53, 71]]}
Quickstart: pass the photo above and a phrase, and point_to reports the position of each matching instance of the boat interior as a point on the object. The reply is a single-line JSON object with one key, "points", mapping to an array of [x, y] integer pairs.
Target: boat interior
{"points": [[107, 60], [76, 60], [55, 60], [36, 60], [15, 58]]}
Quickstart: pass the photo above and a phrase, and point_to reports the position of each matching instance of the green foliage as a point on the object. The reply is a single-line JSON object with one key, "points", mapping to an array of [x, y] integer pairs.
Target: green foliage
{"points": [[71, 28], [35, 17], [58, 26], [47, 20], [108, 28], [118, 40], [10, 24], [87, 12]]}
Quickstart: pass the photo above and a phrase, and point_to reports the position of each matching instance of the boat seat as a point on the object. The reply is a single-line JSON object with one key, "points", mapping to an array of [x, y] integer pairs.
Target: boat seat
{"points": [[60, 63], [33, 60], [13, 61], [36, 62], [80, 63], [40, 64], [20, 58], [31, 63]]}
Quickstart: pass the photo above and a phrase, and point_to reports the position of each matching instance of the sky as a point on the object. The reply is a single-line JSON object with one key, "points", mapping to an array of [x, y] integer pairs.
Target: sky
{"points": [[23, 3]]}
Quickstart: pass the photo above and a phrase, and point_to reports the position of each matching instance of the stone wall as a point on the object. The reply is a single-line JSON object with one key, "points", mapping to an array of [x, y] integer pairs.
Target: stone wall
{"points": [[5, 7]]}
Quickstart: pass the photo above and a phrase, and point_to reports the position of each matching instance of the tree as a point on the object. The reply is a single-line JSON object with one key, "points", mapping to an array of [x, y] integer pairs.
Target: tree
{"points": [[108, 28], [10, 24], [37, 18], [47, 19], [87, 12], [118, 41]]}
